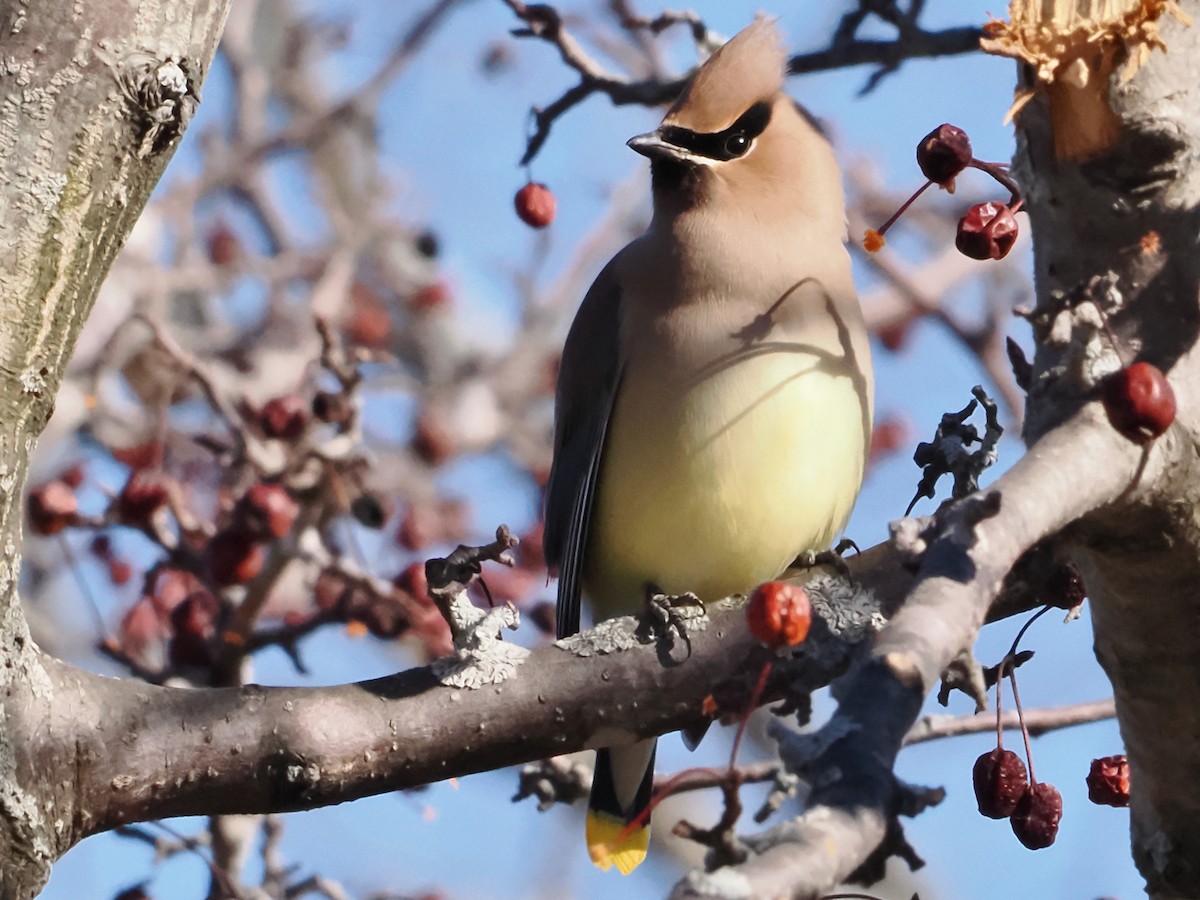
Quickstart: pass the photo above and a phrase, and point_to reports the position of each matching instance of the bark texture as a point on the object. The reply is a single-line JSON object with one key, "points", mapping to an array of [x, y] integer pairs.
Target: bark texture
{"points": [[1119, 231], [87, 122]]}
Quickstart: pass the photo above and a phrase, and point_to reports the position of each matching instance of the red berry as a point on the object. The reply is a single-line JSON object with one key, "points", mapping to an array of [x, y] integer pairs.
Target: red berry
{"points": [[531, 551], [432, 440], [328, 590], [1108, 781], [536, 205], [368, 324], [234, 558], [284, 417], [894, 335], [139, 456], [779, 614], [430, 297], [1000, 781], [265, 511], [119, 571], [224, 247], [888, 436], [412, 580], [52, 507], [943, 154], [1139, 401], [987, 231], [1035, 820], [194, 622], [142, 496]]}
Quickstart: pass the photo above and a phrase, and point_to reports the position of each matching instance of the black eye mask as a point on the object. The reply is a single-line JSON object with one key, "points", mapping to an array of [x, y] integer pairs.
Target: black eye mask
{"points": [[731, 143]]}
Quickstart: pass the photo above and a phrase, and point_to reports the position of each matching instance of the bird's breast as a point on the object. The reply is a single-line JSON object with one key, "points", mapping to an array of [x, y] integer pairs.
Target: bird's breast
{"points": [[725, 461]]}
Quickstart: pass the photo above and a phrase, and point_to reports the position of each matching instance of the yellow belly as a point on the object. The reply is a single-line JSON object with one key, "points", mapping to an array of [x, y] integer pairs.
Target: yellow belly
{"points": [[716, 487]]}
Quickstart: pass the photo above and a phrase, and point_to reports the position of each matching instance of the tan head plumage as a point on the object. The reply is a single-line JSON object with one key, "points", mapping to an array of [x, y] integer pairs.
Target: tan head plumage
{"points": [[750, 67]]}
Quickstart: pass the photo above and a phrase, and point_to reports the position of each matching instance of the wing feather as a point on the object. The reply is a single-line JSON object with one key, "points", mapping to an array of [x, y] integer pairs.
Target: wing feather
{"points": [[587, 387]]}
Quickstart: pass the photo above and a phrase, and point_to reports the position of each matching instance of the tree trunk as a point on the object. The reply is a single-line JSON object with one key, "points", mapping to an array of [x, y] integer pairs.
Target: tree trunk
{"points": [[93, 97], [1117, 232]]}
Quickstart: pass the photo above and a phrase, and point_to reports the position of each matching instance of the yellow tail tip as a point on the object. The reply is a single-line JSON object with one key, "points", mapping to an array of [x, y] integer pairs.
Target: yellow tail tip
{"points": [[609, 848]]}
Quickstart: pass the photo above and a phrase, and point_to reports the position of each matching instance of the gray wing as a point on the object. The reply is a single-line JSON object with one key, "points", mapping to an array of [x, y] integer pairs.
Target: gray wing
{"points": [[587, 386]]}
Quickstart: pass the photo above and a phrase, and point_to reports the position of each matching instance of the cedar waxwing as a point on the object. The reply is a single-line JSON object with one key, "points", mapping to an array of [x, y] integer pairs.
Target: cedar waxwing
{"points": [[714, 399]]}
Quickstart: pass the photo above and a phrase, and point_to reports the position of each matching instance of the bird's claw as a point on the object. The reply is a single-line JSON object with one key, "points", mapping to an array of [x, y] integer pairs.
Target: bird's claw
{"points": [[811, 558], [668, 616]]}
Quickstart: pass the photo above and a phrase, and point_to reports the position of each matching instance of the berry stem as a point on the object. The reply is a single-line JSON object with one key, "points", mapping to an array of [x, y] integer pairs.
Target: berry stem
{"points": [[732, 777], [998, 173], [759, 687], [1112, 337], [1012, 677], [882, 230], [999, 694], [1012, 651]]}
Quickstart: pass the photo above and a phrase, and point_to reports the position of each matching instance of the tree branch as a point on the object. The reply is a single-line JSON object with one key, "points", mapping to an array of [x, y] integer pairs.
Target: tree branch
{"points": [[155, 752], [546, 23], [1038, 721]]}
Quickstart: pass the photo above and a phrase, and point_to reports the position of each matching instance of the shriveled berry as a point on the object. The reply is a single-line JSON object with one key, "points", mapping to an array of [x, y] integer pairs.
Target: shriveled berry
{"points": [[284, 417], [943, 154], [1000, 781], [779, 614], [368, 510], [144, 494], [1108, 781], [427, 244], [224, 246], [332, 407], [52, 507], [384, 617], [536, 205], [544, 616], [432, 440], [328, 590], [194, 624], [413, 581], [234, 558], [1035, 820], [987, 231], [1065, 588], [1139, 401], [265, 511]]}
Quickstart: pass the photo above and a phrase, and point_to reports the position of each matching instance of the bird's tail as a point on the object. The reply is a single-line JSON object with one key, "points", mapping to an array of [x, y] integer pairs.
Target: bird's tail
{"points": [[621, 790]]}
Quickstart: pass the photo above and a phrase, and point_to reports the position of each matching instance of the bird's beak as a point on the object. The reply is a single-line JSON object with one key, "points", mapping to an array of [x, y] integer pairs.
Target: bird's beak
{"points": [[653, 146]]}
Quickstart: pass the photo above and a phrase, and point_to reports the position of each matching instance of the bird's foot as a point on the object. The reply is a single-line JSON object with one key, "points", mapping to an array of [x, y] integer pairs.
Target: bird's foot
{"points": [[811, 558], [669, 617]]}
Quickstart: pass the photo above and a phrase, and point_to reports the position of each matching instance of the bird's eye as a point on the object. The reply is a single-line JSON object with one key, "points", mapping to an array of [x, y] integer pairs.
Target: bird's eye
{"points": [[737, 144]]}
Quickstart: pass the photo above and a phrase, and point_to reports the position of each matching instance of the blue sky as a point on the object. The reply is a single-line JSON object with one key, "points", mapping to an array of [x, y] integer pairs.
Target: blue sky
{"points": [[452, 139]]}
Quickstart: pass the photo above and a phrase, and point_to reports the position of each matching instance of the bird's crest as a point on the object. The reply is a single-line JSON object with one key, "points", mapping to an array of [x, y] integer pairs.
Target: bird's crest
{"points": [[750, 67]]}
